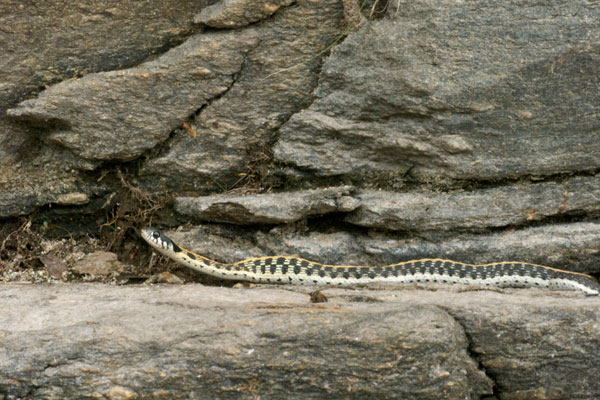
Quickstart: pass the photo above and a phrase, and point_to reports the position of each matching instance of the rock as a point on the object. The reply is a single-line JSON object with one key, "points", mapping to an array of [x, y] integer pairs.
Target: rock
{"points": [[238, 13], [98, 263], [55, 266], [519, 372], [272, 208], [51, 42], [509, 205], [235, 132], [478, 209], [395, 101], [434, 92], [165, 277], [30, 183], [118, 115], [483, 138], [72, 199], [273, 343], [120, 393], [571, 247]]}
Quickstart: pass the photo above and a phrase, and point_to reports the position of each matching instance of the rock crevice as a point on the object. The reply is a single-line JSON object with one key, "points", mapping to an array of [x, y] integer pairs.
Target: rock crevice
{"points": [[411, 211], [570, 246]]}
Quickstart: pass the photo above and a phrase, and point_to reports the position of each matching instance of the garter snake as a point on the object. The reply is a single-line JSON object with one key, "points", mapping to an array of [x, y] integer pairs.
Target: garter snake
{"points": [[298, 271]]}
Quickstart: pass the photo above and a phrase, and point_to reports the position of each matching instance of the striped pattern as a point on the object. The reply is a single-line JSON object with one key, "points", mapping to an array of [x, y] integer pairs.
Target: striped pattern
{"points": [[298, 271]]}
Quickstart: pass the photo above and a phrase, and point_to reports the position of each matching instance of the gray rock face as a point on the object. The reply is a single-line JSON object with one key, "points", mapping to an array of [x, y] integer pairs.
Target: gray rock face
{"points": [[267, 342], [237, 130], [238, 13], [53, 41], [479, 209], [118, 115], [436, 91], [509, 205], [274, 208], [477, 120], [49, 42]]}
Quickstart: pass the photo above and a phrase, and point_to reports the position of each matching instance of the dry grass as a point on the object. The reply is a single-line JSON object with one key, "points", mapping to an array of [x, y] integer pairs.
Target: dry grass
{"points": [[30, 246]]}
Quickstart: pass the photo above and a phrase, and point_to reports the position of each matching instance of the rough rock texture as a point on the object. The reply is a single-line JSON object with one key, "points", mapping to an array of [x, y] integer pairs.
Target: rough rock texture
{"points": [[468, 130], [171, 341], [49, 42], [436, 90], [479, 209], [238, 13], [234, 133], [571, 246], [273, 208], [118, 115], [507, 205], [55, 266], [26, 184], [98, 263]]}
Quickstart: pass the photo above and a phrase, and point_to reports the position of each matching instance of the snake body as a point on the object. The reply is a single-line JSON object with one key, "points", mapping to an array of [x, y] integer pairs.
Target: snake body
{"points": [[298, 271]]}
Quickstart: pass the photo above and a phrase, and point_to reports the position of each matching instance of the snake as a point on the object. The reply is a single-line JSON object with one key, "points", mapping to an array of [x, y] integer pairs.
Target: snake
{"points": [[299, 271]]}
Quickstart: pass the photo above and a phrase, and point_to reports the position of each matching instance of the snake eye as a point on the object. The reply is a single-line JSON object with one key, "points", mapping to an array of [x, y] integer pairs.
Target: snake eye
{"points": [[156, 235]]}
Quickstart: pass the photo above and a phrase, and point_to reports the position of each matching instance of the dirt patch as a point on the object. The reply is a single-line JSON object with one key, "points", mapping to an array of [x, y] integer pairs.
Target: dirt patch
{"points": [[45, 246]]}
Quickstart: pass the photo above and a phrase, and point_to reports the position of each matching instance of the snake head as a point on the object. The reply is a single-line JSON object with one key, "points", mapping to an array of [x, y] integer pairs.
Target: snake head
{"points": [[157, 240]]}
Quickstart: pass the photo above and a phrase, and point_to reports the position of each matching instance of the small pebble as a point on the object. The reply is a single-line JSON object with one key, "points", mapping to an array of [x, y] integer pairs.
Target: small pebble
{"points": [[317, 297], [98, 263], [54, 265]]}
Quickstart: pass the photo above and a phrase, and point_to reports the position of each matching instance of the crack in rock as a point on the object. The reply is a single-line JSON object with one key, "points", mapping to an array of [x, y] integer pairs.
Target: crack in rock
{"points": [[233, 14], [567, 246], [473, 354], [238, 129], [299, 350], [118, 115], [166, 144]]}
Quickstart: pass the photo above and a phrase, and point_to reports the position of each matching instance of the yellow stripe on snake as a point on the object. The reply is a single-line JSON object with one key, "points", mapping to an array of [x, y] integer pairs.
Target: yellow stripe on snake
{"points": [[298, 271]]}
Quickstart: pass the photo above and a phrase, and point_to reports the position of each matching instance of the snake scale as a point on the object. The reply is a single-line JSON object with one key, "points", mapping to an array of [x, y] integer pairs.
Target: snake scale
{"points": [[298, 271]]}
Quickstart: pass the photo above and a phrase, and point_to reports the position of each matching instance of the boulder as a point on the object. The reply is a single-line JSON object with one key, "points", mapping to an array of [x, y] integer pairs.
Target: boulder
{"points": [[268, 342], [434, 91]]}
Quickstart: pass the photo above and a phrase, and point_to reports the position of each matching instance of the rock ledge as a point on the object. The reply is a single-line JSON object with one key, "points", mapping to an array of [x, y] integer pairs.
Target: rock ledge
{"points": [[180, 341]]}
